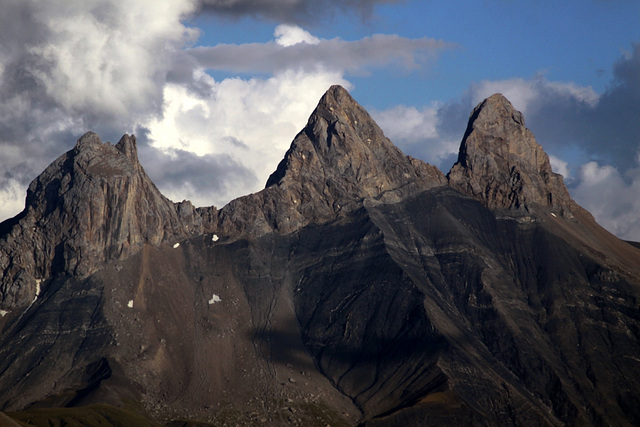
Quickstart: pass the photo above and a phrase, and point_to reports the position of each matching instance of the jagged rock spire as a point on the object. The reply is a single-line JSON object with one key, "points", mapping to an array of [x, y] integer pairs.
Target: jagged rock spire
{"points": [[501, 164], [93, 204]]}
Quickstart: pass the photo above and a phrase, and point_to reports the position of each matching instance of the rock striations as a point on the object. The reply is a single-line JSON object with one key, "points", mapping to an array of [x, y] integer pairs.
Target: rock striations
{"points": [[361, 286]]}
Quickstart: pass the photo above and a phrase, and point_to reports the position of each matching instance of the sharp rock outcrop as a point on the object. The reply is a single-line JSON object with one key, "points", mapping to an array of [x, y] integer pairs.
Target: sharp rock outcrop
{"points": [[501, 164], [93, 204]]}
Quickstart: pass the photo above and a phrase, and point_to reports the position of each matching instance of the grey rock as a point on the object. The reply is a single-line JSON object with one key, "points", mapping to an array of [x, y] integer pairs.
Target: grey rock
{"points": [[490, 298], [501, 164], [92, 205], [340, 159]]}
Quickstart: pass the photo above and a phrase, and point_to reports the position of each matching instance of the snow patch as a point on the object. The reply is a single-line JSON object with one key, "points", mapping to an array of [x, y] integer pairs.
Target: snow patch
{"points": [[130, 303], [553, 215], [35, 297], [176, 245], [215, 238], [214, 299], [4, 313]]}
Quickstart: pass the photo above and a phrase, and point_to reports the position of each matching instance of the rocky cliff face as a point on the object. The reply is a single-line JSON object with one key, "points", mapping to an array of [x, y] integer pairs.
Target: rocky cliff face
{"points": [[501, 163], [339, 159], [92, 205], [360, 286]]}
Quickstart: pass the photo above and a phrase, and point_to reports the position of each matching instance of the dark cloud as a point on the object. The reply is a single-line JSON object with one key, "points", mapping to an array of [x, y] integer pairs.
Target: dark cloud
{"points": [[205, 180], [607, 131], [292, 11], [335, 54]]}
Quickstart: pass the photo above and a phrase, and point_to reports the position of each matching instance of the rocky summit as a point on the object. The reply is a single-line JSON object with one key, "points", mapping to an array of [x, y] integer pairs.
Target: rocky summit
{"points": [[360, 287]]}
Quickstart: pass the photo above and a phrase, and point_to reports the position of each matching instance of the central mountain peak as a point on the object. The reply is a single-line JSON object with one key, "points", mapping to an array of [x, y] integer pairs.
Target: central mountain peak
{"points": [[337, 162], [343, 153], [501, 164]]}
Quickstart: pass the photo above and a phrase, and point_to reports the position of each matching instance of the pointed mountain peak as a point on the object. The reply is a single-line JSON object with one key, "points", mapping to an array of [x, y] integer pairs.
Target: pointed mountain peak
{"points": [[336, 99], [501, 163], [342, 153], [339, 161]]}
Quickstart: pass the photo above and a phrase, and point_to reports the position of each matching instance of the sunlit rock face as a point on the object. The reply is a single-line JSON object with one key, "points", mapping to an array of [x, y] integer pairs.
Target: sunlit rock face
{"points": [[501, 164], [361, 286]]}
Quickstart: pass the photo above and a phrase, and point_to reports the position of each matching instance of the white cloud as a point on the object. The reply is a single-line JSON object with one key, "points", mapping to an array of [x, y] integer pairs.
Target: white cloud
{"points": [[519, 92], [12, 195], [415, 131], [528, 95], [108, 57], [289, 35], [559, 166], [409, 123], [251, 122], [611, 198]]}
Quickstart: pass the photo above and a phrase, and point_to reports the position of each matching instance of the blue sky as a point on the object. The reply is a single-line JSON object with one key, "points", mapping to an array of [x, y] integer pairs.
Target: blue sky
{"points": [[567, 41], [215, 90]]}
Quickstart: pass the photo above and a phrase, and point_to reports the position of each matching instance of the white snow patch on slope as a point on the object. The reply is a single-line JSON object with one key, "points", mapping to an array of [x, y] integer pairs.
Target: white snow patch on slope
{"points": [[130, 303], [214, 299], [35, 297], [4, 312], [176, 245], [215, 238]]}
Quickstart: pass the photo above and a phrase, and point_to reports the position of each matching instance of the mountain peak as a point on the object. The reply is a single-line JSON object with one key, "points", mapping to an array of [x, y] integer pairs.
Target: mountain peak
{"points": [[343, 150], [339, 160], [501, 163], [91, 142], [93, 204], [87, 141]]}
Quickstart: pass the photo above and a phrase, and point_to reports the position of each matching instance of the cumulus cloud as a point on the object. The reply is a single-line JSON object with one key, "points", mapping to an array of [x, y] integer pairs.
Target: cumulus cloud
{"points": [[611, 197], [290, 11], [416, 131], [289, 35], [560, 166], [70, 66], [295, 48], [205, 180], [250, 123]]}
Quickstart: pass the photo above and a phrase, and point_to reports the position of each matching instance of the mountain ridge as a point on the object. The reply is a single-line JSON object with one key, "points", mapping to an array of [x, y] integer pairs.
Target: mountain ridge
{"points": [[360, 286]]}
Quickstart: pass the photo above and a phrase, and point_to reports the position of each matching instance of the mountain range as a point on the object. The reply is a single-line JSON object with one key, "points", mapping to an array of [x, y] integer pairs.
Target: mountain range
{"points": [[360, 287]]}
